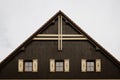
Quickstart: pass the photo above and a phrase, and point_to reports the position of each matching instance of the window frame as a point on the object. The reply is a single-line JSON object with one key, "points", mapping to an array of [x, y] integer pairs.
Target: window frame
{"points": [[59, 66], [90, 66], [24, 66]]}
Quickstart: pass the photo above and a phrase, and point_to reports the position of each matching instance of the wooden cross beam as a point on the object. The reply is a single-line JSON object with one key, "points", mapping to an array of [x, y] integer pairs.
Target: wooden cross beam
{"points": [[64, 37], [59, 32], [60, 37]]}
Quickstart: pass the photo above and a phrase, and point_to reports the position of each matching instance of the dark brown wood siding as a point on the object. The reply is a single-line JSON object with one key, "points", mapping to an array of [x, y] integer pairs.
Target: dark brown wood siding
{"points": [[72, 50]]}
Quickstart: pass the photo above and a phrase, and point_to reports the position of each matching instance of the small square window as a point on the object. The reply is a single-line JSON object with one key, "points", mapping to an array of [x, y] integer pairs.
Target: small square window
{"points": [[59, 66], [28, 66], [90, 65]]}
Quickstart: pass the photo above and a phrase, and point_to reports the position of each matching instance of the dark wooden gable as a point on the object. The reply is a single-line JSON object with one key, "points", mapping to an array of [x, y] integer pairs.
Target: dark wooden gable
{"points": [[58, 35]]}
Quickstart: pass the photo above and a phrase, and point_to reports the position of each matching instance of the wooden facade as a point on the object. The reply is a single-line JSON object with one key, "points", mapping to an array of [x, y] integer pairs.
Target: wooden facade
{"points": [[60, 49]]}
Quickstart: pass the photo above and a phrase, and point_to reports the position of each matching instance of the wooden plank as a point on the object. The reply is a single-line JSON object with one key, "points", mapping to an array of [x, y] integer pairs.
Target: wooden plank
{"points": [[59, 38], [77, 35], [58, 33]]}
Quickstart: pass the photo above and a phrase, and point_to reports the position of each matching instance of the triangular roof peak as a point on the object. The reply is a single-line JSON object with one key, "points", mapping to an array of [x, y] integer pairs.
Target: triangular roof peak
{"points": [[60, 11], [76, 27]]}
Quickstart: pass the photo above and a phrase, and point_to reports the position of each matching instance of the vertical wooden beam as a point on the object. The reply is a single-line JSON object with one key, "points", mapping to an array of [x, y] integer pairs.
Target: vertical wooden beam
{"points": [[59, 32]]}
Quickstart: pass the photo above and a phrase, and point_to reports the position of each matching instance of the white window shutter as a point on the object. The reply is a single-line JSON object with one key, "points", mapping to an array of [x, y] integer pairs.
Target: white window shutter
{"points": [[35, 65], [83, 65], [52, 65], [20, 65], [98, 65], [66, 65]]}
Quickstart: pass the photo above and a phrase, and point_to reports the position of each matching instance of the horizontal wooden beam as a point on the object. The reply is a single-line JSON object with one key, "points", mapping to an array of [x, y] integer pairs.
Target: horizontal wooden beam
{"points": [[80, 35], [58, 38]]}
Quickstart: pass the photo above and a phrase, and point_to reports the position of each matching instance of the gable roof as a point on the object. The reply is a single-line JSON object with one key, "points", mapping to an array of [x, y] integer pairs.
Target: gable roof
{"points": [[76, 27]]}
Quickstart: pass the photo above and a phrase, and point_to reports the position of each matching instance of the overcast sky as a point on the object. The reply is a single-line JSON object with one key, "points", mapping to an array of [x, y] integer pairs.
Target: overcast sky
{"points": [[21, 18]]}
